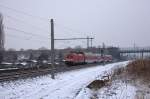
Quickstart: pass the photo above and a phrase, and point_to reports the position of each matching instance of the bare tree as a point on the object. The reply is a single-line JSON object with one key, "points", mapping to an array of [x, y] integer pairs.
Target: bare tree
{"points": [[11, 49], [1, 38], [21, 49], [42, 48], [43, 56], [31, 57]]}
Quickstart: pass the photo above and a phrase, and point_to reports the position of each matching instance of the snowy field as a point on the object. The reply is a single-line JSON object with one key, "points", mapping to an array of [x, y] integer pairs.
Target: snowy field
{"points": [[117, 90], [68, 85]]}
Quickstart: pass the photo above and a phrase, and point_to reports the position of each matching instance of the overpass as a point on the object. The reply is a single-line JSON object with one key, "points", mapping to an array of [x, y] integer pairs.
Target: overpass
{"points": [[135, 51], [146, 50]]}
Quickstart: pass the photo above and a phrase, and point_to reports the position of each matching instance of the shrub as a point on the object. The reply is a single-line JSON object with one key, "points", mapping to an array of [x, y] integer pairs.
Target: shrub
{"points": [[139, 68]]}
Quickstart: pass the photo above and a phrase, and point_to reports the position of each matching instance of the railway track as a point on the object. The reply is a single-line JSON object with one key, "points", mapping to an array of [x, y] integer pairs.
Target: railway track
{"points": [[29, 73], [22, 74]]}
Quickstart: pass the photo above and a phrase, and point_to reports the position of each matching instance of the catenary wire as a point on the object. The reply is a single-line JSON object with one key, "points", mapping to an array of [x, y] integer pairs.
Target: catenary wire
{"points": [[25, 13], [19, 37], [24, 22], [24, 32]]}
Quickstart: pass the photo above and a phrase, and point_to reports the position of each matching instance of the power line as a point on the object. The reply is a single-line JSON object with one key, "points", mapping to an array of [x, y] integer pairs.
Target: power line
{"points": [[16, 36], [22, 21], [28, 33], [73, 38], [25, 23], [68, 28], [27, 14], [41, 18]]}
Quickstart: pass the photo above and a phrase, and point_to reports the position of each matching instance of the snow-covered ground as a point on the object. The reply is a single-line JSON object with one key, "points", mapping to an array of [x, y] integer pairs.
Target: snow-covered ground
{"points": [[117, 90], [68, 85]]}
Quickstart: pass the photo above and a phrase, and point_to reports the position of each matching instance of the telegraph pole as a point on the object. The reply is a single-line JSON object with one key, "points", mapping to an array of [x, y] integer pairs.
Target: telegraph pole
{"points": [[52, 49]]}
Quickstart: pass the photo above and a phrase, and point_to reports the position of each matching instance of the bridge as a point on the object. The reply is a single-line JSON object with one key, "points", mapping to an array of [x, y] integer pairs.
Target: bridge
{"points": [[141, 52], [144, 50]]}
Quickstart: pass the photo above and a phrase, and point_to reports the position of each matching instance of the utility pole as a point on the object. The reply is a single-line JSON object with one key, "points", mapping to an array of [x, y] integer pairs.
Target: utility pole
{"points": [[103, 52], [142, 53], [91, 42], [52, 49], [99, 49], [87, 43], [134, 48], [103, 48]]}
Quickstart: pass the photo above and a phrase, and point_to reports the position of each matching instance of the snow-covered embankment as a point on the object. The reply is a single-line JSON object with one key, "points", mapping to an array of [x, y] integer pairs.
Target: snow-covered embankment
{"points": [[68, 85]]}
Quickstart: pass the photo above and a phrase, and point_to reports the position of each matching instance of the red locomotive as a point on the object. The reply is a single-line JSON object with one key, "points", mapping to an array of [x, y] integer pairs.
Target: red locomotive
{"points": [[75, 58]]}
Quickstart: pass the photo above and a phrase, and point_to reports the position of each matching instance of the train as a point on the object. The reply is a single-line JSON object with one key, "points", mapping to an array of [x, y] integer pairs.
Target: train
{"points": [[76, 58]]}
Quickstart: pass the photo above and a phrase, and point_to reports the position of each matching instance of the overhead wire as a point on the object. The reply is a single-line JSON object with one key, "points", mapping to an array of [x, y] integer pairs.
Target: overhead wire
{"points": [[68, 28], [24, 32], [37, 17], [15, 19], [41, 18], [16, 36], [25, 13]]}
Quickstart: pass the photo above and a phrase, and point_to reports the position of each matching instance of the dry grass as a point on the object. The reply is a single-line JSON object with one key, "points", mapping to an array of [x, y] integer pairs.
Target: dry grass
{"points": [[139, 69]]}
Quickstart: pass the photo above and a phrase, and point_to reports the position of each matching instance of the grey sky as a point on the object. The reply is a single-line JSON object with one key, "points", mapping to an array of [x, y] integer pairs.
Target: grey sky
{"points": [[114, 22]]}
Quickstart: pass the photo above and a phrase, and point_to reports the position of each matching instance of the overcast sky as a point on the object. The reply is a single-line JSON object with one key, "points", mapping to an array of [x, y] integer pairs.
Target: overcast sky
{"points": [[114, 22]]}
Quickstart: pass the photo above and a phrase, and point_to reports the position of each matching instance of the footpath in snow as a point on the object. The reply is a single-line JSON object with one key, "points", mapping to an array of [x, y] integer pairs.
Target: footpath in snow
{"points": [[68, 85]]}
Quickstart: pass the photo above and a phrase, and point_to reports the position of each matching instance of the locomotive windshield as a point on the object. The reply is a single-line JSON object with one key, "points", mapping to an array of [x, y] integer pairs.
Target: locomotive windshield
{"points": [[69, 56]]}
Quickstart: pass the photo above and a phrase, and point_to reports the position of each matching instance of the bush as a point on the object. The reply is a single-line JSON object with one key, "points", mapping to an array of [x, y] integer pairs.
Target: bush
{"points": [[139, 68]]}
